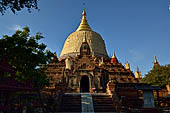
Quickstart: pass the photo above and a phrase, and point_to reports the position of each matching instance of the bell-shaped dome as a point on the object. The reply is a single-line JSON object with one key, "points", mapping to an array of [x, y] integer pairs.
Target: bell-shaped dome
{"points": [[74, 41]]}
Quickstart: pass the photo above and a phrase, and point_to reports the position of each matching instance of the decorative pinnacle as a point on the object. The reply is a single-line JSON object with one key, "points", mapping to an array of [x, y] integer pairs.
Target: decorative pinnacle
{"points": [[127, 65], [155, 60], [84, 26], [114, 56], [84, 13]]}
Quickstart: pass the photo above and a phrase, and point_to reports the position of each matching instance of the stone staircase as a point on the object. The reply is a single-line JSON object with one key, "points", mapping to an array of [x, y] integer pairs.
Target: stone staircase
{"points": [[71, 103], [103, 103]]}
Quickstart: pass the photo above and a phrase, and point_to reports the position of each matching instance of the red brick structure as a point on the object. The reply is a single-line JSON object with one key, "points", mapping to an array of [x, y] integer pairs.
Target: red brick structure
{"points": [[9, 86]]}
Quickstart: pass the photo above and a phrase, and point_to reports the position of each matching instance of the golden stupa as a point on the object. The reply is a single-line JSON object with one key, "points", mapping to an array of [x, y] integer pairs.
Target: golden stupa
{"points": [[73, 42]]}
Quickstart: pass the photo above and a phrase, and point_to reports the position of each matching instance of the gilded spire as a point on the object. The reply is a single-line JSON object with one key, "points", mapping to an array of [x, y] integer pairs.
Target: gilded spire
{"points": [[84, 26], [156, 63], [138, 73], [114, 59], [127, 66], [114, 56], [155, 60]]}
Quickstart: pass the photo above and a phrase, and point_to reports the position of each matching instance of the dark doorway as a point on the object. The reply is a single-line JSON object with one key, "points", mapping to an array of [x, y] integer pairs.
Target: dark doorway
{"points": [[84, 84]]}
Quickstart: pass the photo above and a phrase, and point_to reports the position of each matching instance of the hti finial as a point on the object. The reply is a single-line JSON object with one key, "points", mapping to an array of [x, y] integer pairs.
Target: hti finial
{"points": [[84, 26], [84, 4], [84, 13]]}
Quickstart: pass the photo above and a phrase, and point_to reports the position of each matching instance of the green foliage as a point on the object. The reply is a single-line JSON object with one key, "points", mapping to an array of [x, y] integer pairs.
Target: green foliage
{"points": [[17, 5], [159, 75], [7, 74], [25, 55]]}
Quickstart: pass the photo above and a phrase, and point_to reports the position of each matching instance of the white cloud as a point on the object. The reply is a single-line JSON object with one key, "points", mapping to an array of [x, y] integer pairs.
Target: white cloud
{"points": [[15, 27]]}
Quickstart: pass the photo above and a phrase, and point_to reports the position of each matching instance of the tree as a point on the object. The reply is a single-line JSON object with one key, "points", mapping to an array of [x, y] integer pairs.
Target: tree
{"points": [[17, 5], [26, 55], [159, 75]]}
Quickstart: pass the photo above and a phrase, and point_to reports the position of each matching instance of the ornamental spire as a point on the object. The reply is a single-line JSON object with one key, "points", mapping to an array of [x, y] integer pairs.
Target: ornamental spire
{"points": [[127, 66], [84, 26], [156, 63], [138, 73], [114, 59], [114, 56], [155, 60]]}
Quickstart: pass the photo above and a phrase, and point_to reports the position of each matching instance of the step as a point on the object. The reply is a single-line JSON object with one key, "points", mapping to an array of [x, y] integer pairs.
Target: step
{"points": [[71, 103], [103, 103]]}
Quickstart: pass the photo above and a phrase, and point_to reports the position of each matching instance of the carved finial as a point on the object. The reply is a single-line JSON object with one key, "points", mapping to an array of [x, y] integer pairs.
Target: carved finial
{"points": [[84, 13], [114, 59], [138, 73], [114, 56], [156, 63], [127, 66], [155, 60]]}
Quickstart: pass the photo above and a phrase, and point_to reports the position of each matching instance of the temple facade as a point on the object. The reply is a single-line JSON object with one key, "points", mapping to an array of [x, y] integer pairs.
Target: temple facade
{"points": [[84, 65]]}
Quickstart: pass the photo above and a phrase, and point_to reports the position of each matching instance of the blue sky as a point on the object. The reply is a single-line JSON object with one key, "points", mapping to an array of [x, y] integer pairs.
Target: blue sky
{"points": [[138, 30]]}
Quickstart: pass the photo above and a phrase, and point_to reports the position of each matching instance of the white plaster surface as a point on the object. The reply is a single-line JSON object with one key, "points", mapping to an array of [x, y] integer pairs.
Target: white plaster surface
{"points": [[87, 103]]}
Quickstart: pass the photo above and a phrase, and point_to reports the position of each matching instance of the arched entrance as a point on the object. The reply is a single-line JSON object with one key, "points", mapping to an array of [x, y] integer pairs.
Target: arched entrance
{"points": [[84, 84]]}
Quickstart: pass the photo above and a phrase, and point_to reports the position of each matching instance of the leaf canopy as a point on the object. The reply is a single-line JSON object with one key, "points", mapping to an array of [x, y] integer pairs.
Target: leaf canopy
{"points": [[17, 5], [159, 75], [26, 55]]}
